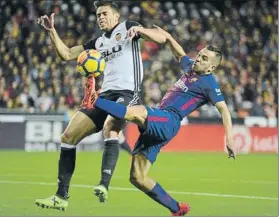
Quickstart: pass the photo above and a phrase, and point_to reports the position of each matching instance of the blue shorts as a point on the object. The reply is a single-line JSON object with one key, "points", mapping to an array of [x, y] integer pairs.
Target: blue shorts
{"points": [[161, 127]]}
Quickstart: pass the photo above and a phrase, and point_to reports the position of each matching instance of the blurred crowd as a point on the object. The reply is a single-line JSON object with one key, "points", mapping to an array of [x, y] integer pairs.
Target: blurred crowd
{"points": [[33, 78]]}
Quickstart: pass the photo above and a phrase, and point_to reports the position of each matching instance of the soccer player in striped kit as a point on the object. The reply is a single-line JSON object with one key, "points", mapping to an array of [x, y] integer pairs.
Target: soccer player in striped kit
{"points": [[158, 126]]}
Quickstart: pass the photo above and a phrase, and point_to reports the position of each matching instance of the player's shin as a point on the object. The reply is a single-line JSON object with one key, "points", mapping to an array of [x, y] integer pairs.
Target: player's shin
{"points": [[114, 109], [66, 169], [161, 196], [139, 178], [109, 161]]}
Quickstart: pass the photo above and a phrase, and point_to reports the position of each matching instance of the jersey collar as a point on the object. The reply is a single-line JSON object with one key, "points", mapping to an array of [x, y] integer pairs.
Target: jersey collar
{"points": [[108, 34], [203, 74]]}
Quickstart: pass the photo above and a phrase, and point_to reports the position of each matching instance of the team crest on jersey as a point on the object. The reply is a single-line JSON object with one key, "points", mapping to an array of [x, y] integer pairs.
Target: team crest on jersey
{"points": [[118, 36]]}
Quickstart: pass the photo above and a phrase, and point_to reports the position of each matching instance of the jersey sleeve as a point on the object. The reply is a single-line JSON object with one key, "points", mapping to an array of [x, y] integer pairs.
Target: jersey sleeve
{"points": [[186, 63], [129, 24], [91, 44], [213, 93]]}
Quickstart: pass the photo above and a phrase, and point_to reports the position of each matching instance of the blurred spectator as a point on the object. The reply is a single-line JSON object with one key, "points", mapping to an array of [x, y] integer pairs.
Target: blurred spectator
{"points": [[32, 77], [258, 108]]}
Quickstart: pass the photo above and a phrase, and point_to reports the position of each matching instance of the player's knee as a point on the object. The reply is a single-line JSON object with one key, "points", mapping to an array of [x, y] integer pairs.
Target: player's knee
{"points": [[112, 128], [136, 114], [106, 132], [110, 132], [137, 179], [67, 138]]}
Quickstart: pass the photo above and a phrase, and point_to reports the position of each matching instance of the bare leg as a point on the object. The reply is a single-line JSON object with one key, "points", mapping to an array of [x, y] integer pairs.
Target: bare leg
{"points": [[72, 135], [140, 179]]}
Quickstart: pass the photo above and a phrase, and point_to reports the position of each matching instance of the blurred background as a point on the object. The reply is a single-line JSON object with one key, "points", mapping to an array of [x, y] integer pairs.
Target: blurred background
{"points": [[39, 93], [33, 79]]}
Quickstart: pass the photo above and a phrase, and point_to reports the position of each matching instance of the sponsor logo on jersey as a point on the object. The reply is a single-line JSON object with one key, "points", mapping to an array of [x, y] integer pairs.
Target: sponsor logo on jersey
{"points": [[112, 53], [180, 84], [218, 91]]}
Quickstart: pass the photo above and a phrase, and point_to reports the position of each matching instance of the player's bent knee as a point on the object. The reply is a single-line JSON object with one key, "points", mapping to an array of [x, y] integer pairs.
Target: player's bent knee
{"points": [[137, 179], [112, 128], [136, 114], [66, 138]]}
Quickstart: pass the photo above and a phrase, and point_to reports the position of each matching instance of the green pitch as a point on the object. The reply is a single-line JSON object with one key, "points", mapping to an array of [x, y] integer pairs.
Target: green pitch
{"points": [[212, 184]]}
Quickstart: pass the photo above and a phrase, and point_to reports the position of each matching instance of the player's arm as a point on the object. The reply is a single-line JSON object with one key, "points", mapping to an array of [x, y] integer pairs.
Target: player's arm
{"points": [[135, 31], [213, 93], [227, 122], [64, 52], [176, 48], [150, 34]]}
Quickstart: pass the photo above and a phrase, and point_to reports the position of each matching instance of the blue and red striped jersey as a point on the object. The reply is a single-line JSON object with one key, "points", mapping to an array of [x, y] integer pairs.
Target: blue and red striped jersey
{"points": [[191, 91]]}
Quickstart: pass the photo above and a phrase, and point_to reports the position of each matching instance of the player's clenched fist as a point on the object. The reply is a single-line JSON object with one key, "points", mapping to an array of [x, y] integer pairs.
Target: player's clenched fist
{"points": [[134, 32], [46, 22]]}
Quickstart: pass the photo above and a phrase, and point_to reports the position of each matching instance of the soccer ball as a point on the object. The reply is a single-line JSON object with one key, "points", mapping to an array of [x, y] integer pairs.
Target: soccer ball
{"points": [[90, 62]]}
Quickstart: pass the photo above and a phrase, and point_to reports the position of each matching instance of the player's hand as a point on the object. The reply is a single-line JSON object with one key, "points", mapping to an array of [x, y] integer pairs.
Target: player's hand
{"points": [[231, 152], [134, 32], [47, 22], [162, 31]]}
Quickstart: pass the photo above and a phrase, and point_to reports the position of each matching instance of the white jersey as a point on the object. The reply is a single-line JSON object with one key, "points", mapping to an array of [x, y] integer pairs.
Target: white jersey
{"points": [[124, 69]]}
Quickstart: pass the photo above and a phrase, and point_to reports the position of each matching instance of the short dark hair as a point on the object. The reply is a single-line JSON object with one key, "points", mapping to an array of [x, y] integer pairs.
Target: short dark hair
{"points": [[112, 4], [216, 50]]}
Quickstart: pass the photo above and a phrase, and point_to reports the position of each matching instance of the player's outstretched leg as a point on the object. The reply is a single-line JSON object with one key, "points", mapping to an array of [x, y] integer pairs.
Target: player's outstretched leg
{"points": [[140, 179], [69, 139], [136, 114]]}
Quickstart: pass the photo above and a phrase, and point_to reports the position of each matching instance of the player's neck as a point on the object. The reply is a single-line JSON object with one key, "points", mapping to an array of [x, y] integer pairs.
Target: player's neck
{"points": [[109, 32], [112, 28]]}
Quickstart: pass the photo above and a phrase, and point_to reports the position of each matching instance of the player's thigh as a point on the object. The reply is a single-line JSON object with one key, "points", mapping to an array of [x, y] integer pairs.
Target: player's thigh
{"points": [[78, 128], [97, 116], [161, 125], [140, 167], [148, 147], [136, 114], [113, 124], [135, 111]]}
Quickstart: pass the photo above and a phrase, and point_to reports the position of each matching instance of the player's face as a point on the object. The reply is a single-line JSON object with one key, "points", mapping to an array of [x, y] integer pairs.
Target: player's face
{"points": [[107, 18], [205, 62]]}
